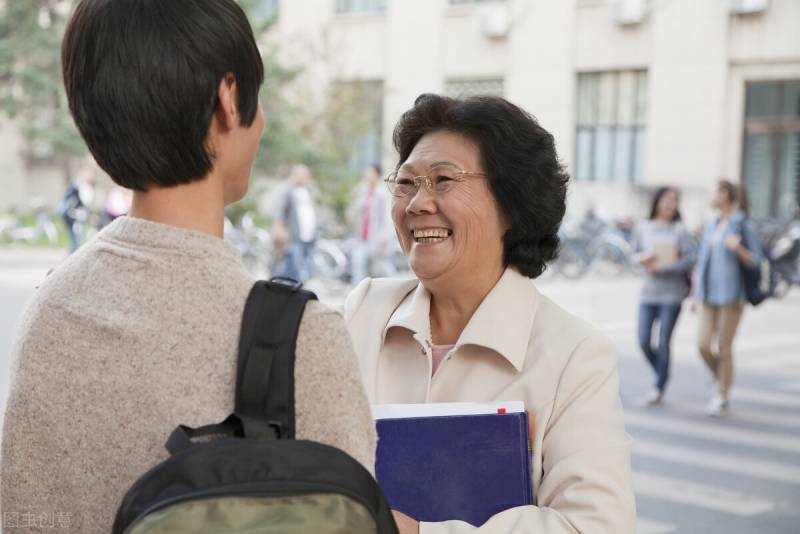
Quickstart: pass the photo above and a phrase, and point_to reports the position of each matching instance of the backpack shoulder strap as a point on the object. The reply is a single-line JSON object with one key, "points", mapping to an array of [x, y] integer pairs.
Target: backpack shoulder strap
{"points": [[265, 367]]}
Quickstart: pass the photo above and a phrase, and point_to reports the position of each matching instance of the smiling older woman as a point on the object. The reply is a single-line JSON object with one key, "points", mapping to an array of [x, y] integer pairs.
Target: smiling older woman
{"points": [[478, 197]]}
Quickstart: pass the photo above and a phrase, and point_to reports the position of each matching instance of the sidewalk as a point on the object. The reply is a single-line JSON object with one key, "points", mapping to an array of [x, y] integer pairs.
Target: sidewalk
{"points": [[692, 474], [29, 257]]}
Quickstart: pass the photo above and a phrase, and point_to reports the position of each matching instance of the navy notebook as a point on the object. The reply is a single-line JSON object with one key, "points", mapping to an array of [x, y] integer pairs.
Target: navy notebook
{"points": [[466, 467]]}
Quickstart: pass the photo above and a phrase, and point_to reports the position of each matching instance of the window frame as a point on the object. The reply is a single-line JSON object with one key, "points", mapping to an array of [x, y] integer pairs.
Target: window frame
{"points": [[368, 7], [590, 120], [778, 128]]}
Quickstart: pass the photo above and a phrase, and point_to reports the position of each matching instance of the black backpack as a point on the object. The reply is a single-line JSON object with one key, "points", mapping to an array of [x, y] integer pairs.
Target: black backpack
{"points": [[254, 476], [758, 280]]}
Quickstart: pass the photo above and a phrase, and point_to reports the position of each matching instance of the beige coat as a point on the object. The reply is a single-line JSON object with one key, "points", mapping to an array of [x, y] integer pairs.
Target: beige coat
{"points": [[518, 345]]}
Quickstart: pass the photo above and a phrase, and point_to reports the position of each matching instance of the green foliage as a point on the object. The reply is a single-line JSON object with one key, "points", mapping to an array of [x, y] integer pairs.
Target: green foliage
{"points": [[349, 113], [319, 135], [31, 89]]}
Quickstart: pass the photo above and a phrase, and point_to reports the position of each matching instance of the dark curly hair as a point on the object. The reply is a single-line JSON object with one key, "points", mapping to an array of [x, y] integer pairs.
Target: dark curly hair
{"points": [[520, 160]]}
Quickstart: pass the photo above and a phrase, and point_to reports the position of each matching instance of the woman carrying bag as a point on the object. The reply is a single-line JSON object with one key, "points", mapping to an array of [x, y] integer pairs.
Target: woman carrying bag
{"points": [[728, 245]]}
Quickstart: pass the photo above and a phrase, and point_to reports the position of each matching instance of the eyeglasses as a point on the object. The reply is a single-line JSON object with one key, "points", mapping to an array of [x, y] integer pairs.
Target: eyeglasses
{"points": [[438, 181]]}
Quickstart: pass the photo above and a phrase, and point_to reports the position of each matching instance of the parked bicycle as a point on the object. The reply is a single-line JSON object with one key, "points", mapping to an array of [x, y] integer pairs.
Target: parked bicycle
{"points": [[253, 243], [593, 244], [33, 226], [782, 243]]}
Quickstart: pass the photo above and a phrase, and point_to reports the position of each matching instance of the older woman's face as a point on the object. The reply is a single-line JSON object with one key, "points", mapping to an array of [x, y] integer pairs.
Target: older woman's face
{"points": [[466, 221]]}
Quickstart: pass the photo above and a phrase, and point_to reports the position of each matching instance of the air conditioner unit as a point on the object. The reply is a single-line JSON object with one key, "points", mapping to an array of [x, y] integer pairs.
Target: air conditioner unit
{"points": [[495, 22], [628, 12], [746, 7]]}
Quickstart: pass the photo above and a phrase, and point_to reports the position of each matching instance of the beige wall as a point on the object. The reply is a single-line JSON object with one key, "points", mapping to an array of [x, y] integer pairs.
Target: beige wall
{"points": [[697, 55], [541, 75], [12, 172], [686, 77]]}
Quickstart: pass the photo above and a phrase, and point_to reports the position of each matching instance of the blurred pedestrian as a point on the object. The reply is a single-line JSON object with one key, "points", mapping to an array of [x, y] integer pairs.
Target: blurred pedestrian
{"points": [[374, 230], [295, 225], [667, 252], [117, 204], [728, 240], [76, 204]]}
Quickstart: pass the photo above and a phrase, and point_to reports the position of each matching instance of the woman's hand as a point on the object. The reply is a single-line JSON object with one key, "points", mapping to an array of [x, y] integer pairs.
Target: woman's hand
{"points": [[733, 242], [405, 524], [645, 258], [280, 235], [649, 261]]}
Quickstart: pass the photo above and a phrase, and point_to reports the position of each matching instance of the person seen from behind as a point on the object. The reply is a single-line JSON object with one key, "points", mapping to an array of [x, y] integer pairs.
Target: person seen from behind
{"points": [[294, 225], [76, 205], [138, 331], [728, 242], [666, 250]]}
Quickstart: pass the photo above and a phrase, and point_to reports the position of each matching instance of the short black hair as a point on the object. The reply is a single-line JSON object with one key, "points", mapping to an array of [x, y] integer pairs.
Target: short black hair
{"points": [[520, 160], [660, 192], [142, 76]]}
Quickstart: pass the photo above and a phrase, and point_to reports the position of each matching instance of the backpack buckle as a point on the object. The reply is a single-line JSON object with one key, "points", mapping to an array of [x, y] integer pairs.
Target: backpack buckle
{"points": [[278, 427], [289, 283]]}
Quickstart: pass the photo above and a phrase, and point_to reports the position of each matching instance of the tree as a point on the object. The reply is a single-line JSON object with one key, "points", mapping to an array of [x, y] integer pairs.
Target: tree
{"points": [[32, 93], [31, 88], [318, 134]]}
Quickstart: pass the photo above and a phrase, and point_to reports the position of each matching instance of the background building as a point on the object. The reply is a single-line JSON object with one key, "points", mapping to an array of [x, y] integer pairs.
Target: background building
{"points": [[637, 93]]}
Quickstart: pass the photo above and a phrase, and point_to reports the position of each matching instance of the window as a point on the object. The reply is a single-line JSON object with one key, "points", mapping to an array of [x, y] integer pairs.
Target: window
{"points": [[771, 151], [610, 137], [478, 87], [360, 6]]}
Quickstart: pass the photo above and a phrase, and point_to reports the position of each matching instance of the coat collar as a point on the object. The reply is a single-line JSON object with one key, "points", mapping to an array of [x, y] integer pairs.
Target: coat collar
{"points": [[502, 322]]}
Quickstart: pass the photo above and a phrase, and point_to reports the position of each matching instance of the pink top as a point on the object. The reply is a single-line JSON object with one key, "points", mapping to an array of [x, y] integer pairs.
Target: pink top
{"points": [[439, 352]]}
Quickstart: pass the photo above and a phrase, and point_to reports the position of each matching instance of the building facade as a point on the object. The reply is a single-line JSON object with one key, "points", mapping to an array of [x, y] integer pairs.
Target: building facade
{"points": [[638, 93]]}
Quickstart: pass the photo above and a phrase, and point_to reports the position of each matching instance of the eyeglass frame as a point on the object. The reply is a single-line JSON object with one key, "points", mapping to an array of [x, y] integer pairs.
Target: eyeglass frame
{"points": [[429, 185]]}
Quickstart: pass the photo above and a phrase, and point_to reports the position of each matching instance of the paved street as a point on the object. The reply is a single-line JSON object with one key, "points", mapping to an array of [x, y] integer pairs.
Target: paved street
{"points": [[693, 475]]}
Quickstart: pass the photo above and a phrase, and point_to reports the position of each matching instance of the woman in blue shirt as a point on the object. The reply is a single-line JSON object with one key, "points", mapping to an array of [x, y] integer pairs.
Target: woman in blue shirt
{"points": [[728, 241]]}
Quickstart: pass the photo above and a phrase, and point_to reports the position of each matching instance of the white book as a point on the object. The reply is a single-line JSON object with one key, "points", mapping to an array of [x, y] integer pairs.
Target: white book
{"points": [[438, 409]]}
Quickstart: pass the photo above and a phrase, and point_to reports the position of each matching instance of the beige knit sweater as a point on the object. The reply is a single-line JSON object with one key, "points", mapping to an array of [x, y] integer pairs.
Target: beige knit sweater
{"points": [[132, 335]]}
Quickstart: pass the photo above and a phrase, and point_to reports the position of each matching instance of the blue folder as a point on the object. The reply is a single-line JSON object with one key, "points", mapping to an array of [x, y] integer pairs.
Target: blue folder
{"points": [[467, 467]]}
